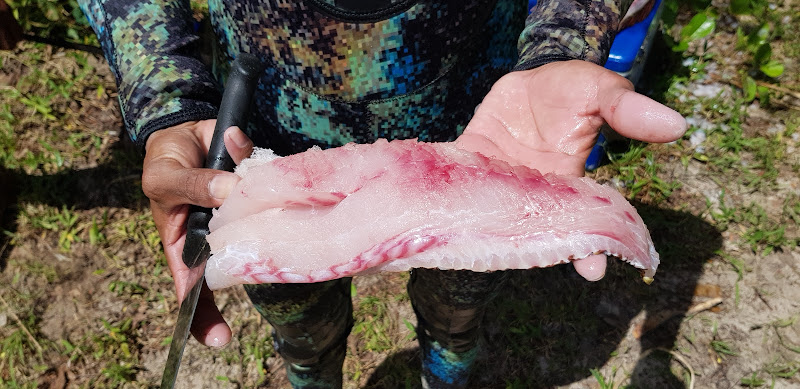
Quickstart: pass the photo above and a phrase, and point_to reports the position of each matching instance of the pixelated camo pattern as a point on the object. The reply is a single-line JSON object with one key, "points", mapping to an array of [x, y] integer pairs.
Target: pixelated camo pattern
{"points": [[418, 71], [560, 30], [147, 44]]}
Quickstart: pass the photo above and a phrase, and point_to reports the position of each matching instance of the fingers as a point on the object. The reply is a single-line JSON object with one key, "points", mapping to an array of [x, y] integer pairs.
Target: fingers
{"points": [[592, 268], [172, 168], [173, 178], [208, 326], [637, 116]]}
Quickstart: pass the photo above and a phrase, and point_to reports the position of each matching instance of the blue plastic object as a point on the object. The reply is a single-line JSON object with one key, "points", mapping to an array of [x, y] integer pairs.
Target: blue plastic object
{"points": [[598, 153], [629, 43]]}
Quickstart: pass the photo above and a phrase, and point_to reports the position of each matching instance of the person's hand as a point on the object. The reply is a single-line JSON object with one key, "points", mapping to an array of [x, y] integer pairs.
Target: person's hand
{"points": [[173, 179], [548, 119]]}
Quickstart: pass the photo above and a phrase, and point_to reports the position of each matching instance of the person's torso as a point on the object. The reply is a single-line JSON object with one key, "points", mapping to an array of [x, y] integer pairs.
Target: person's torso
{"points": [[358, 70]]}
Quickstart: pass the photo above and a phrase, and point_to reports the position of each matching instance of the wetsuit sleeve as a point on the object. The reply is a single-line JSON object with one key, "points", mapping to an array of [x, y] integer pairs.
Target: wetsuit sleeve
{"points": [[560, 30], [148, 45]]}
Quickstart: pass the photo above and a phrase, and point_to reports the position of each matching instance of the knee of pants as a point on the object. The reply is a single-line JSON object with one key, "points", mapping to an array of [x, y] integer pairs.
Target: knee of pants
{"points": [[450, 304], [308, 320]]}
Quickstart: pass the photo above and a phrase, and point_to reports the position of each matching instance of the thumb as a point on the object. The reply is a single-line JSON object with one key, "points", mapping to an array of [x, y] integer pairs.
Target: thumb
{"points": [[637, 116], [237, 143]]}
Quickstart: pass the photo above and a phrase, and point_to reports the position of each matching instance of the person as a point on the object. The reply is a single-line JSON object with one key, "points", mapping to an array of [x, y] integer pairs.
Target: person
{"points": [[342, 71]]}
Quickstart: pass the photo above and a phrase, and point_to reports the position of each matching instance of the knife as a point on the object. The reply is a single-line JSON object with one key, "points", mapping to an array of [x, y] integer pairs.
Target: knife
{"points": [[239, 89]]}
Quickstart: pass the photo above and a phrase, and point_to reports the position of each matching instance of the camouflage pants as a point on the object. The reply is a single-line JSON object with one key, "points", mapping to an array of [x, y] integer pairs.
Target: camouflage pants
{"points": [[311, 323]]}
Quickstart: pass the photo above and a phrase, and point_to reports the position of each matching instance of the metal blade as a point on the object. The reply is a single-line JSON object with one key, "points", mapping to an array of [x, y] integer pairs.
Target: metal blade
{"points": [[181, 333], [236, 100]]}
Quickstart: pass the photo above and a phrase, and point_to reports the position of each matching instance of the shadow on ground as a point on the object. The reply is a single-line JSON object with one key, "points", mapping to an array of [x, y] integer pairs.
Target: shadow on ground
{"points": [[7, 221], [550, 327], [114, 183]]}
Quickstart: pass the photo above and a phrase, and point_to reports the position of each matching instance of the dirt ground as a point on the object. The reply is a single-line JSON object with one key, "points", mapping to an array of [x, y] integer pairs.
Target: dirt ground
{"points": [[86, 300]]}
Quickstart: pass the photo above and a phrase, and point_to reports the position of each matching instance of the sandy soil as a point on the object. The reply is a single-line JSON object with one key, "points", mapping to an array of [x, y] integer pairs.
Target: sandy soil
{"points": [[722, 313]]}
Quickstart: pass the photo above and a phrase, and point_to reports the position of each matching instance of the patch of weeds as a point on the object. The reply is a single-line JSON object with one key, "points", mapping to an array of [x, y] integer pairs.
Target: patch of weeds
{"points": [[522, 327], [7, 137], [756, 40], [118, 373], [723, 349], [751, 159], [777, 325], [605, 382], [96, 235], [790, 37], [140, 228], [31, 268], [114, 347], [13, 350], [785, 370], [125, 288], [412, 331], [732, 139], [740, 268], [753, 39], [757, 43], [54, 18], [40, 268], [762, 169], [522, 322], [763, 233], [256, 348], [637, 168], [21, 348], [64, 222], [752, 381], [115, 341], [791, 208], [777, 369], [726, 214], [373, 325]]}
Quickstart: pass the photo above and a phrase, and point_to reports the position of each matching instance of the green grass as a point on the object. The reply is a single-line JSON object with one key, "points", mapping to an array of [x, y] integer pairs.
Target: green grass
{"points": [[22, 349], [779, 368], [54, 18], [638, 170], [44, 140]]}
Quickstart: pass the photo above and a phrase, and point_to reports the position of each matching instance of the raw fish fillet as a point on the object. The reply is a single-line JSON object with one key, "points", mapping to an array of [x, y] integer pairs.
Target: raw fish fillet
{"points": [[394, 206]]}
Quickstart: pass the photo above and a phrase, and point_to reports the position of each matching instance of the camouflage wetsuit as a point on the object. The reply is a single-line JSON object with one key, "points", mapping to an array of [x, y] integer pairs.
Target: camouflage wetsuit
{"points": [[348, 71]]}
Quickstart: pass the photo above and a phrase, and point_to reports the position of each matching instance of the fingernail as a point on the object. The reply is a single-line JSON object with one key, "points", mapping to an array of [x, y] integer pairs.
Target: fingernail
{"points": [[217, 336], [222, 185], [238, 137], [216, 342]]}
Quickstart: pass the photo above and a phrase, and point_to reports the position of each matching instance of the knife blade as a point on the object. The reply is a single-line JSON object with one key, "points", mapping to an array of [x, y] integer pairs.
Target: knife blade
{"points": [[233, 111]]}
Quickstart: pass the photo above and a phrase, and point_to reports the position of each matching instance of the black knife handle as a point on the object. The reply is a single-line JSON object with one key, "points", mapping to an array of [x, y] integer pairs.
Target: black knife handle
{"points": [[233, 111], [236, 100]]}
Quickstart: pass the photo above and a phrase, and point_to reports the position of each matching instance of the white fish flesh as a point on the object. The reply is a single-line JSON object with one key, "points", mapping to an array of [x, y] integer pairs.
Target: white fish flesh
{"points": [[394, 206]]}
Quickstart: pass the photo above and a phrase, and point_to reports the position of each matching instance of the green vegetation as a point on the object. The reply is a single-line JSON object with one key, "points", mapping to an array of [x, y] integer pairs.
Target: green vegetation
{"points": [[61, 19], [86, 295]]}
